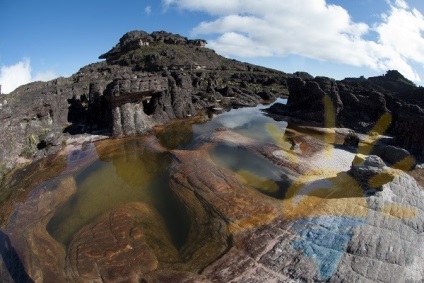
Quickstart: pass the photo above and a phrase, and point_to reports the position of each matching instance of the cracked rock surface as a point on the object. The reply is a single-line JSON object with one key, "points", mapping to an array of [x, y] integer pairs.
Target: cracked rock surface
{"points": [[322, 227]]}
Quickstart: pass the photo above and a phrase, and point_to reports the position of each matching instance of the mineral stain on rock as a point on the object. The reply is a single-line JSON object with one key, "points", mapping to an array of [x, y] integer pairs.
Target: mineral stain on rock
{"points": [[325, 239], [234, 197], [127, 174], [220, 204]]}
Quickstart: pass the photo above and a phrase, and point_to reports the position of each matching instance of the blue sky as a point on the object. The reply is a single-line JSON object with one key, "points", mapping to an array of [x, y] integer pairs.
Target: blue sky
{"points": [[44, 39]]}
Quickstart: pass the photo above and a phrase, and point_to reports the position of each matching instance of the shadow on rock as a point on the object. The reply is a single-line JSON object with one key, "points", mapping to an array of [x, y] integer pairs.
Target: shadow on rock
{"points": [[77, 115], [12, 262]]}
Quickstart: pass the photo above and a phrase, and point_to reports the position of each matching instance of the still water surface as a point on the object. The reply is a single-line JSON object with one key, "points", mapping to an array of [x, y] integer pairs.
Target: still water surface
{"points": [[128, 172]]}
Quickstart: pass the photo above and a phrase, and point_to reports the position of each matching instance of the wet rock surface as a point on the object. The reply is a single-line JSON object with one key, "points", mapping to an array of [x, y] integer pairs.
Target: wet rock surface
{"points": [[146, 80], [28, 232], [297, 207], [325, 228], [115, 246]]}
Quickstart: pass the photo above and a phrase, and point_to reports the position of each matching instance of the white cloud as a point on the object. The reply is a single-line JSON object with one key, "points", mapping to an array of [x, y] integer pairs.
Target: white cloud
{"points": [[313, 29], [401, 31], [148, 10], [44, 76], [19, 74], [401, 4]]}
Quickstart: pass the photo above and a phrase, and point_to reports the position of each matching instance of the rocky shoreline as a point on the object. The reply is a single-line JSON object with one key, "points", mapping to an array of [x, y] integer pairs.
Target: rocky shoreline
{"points": [[139, 86], [345, 208], [136, 88], [332, 222]]}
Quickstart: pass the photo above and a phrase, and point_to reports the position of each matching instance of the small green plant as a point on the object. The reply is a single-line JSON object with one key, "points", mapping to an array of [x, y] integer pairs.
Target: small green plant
{"points": [[30, 147]]}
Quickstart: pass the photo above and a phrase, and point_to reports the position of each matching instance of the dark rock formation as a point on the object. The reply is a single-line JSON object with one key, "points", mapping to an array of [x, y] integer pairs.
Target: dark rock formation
{"points": [[309, 98], [385, 104], [146, 80], [408, 127]]}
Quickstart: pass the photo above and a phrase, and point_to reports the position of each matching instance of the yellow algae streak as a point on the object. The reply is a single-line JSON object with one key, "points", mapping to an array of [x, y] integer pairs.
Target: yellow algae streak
{"points": [[325, 195], [330, 122], [397, 211], [277, 135], [405, 164], [377, 181], [379, 128]]}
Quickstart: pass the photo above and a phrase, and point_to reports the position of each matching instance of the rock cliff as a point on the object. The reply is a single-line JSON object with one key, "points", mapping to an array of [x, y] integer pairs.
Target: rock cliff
{"points": [[327, 215], [150, 79], [387, 104], [146, 79]]}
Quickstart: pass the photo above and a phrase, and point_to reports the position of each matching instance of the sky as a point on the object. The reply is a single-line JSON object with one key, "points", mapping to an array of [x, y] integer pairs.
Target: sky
{"points": [[45, 39]]}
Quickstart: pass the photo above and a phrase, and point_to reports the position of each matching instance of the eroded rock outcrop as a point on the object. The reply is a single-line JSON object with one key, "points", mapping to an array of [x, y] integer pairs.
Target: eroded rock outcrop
{"points": [[146, 80], [287, 209], [408, 126], [308, 98], [379, 104], [128, 98]]}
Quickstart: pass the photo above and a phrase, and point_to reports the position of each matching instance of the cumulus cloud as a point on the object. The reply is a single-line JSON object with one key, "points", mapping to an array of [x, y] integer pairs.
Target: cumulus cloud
{"points": [[19, 74], [400, 3], [313, 29]]}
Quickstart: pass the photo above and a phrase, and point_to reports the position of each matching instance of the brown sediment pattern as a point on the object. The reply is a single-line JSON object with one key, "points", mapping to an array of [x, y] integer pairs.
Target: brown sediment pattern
{"points": [[235, 222]]}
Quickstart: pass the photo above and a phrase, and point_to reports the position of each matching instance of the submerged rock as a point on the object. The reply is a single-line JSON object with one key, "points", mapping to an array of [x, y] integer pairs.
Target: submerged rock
{"points": [[322, 227], [285, 208], [27, 232], [120, 245]]}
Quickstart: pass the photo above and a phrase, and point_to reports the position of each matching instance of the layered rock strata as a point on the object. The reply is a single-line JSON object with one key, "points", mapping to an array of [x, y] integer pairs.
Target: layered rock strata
{"points": [[326, 227], [146, 80], [386, 104]]}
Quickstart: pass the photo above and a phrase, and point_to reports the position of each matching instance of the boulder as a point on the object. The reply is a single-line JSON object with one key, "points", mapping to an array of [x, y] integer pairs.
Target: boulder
{"points": [[395, 156], [311, 99], [371, 171], [351, 139]]}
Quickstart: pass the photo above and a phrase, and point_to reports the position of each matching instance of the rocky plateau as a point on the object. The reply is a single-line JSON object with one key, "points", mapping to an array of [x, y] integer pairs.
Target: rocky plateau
{"points": [[345, 202]]}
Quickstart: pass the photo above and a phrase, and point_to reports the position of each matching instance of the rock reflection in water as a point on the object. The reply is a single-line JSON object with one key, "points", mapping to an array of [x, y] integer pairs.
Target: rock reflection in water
{"points": [[248, 122], [251, 169], [123, 173], [178, 135]]}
